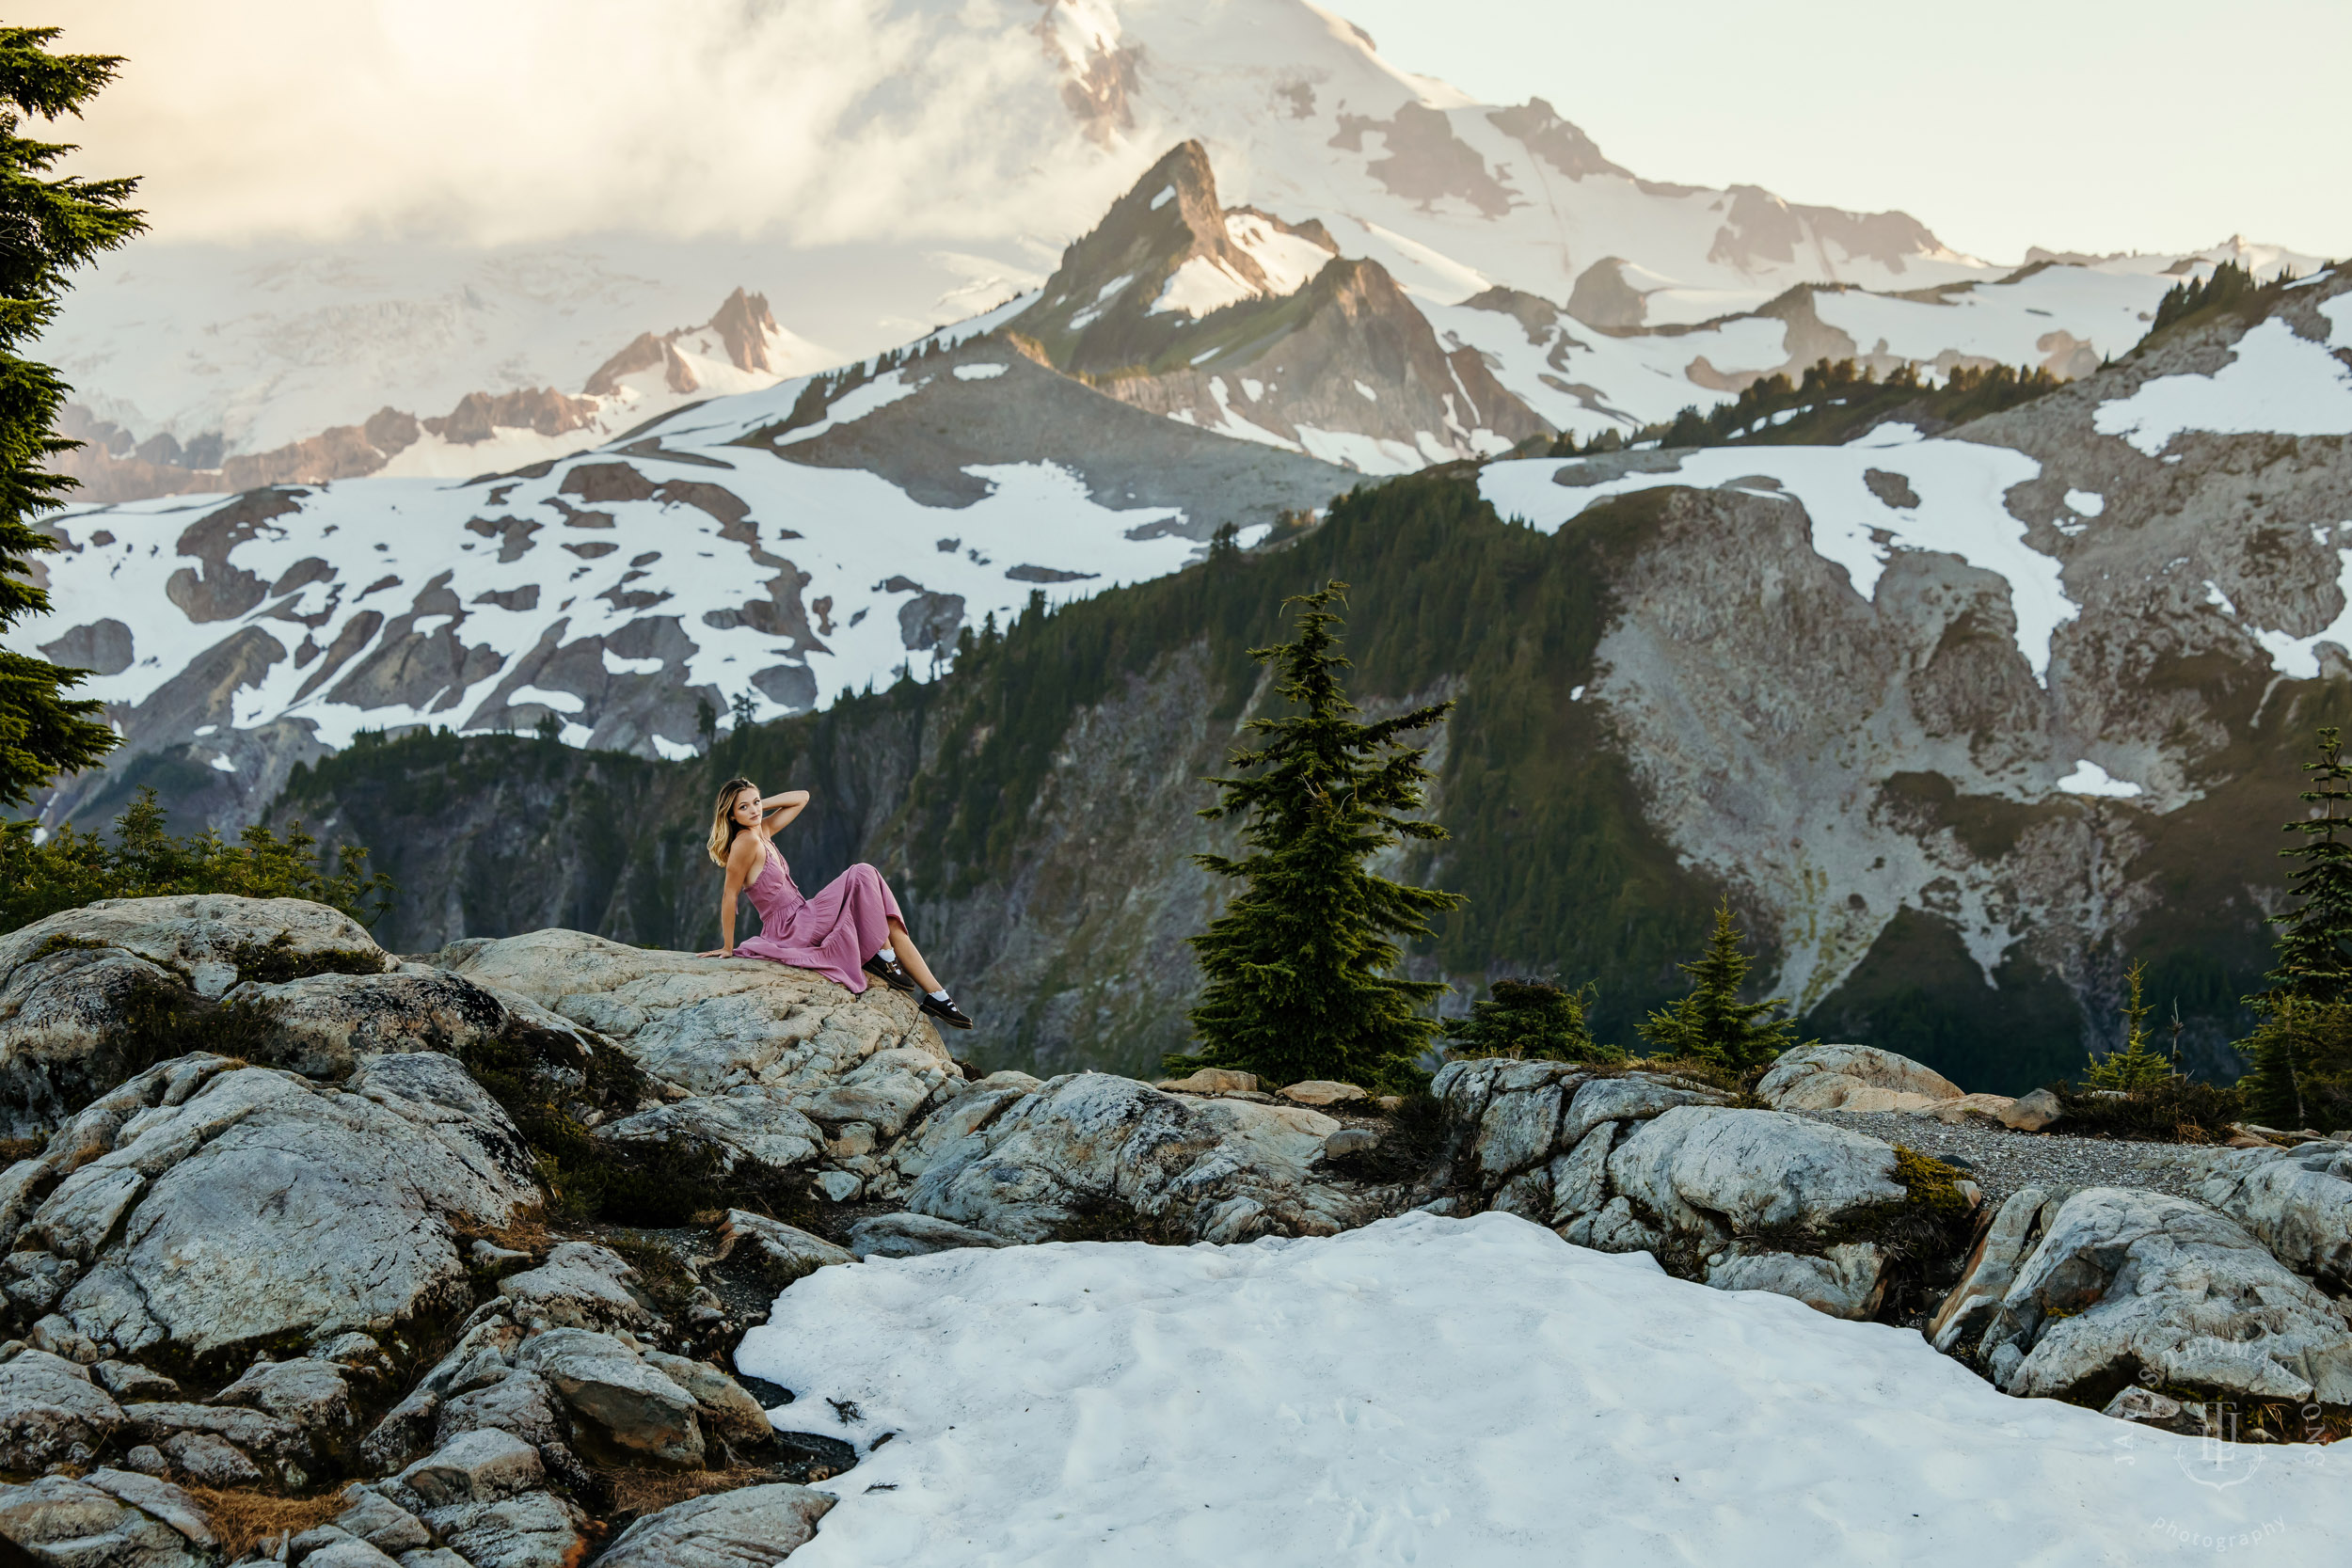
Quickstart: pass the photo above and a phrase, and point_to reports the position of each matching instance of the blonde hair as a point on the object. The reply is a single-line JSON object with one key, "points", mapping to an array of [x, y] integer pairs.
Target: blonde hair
{"points": [[724, 827]]}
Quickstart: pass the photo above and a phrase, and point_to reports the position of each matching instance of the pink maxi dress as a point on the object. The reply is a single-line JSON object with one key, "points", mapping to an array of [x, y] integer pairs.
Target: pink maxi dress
{"points": [[833, 933]]}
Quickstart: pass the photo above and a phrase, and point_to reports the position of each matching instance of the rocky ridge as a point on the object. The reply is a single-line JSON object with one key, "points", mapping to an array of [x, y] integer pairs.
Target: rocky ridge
{"points": [[331, 1267]]}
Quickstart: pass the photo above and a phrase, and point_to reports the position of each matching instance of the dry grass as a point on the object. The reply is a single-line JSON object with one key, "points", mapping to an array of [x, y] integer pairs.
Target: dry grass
{"points": [[644, 1491], [526, 1232], [244, 1520]]}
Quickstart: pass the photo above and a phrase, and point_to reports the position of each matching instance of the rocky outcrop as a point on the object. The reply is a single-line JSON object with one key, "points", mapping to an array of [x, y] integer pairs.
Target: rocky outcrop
{"points": [[2083, 1296], [754, 1528], [772, 1066], [1647, 1161], [1851, 1078], [1039, 1162], [115, 1518], [2296, 1202]]}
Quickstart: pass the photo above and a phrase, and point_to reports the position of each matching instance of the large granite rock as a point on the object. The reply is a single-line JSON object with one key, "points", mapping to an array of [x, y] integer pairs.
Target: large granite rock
{"points": [[206, 1206], [777, 1066], [82, 992], [108, 1519], [324, 1025], [52, 1413], [2129, 1287], [2297, 1202], [776, 1253], [752, 1528], [1215, 1170], [1851, 1078], [1647, 1161]]}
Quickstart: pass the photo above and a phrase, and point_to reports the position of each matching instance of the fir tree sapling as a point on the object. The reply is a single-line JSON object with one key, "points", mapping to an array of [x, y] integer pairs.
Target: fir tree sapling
{"points": [[48, 227], [1712, 1024], [2138, 1065], [1300, 967], [2301, 1047], [1530, 1020]]}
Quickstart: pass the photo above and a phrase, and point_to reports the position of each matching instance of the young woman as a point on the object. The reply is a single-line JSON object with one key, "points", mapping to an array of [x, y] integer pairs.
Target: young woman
{"points": [[850, 930]]}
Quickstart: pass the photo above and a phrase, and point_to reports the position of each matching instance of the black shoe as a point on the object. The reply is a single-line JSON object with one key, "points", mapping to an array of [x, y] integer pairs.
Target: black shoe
{"points": [[946, 1010], [890, 973]]}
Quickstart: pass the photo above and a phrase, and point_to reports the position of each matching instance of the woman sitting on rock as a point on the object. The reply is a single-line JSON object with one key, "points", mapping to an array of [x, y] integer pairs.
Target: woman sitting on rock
{"points": [[850, 930]]}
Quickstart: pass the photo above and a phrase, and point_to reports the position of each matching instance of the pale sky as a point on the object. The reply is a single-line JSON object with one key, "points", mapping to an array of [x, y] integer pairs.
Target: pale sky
{"points": [[2074, 124]]}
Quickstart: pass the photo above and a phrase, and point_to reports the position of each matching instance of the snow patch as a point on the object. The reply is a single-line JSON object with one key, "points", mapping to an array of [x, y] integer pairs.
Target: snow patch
{"points": [[2090, 503], [1199, 286], [562, 701], [1463, 1392], [615, 665], [2338, 314], [2088, 778], [2298, 657], [1168, 193], [979, 373], [2215, 597], [2275, 383], [1288, 261], [1961, 485]]}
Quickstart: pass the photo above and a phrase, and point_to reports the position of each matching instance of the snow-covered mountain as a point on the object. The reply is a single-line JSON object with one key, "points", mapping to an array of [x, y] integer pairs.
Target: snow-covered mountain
{"points": [[1599, 296]]}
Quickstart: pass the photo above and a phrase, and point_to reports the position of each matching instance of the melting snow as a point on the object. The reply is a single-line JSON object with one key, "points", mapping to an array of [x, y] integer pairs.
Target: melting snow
{"points": [[2275, 382], [1199, 286], [2338, 314], [1287, 260], [1167, 195], [2090, 503], [1960, 511], [2214, 595], [2299, 656], [979, 373], [1474, 1393], [2088, 778]]}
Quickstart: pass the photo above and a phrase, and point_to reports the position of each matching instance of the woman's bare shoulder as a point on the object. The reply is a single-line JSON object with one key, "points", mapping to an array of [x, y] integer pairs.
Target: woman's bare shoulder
{"points": [[745, 853]]}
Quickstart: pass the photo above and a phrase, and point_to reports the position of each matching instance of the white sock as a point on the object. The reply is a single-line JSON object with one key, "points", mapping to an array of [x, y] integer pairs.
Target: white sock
{"points": [[939, 996], [886, 956]]}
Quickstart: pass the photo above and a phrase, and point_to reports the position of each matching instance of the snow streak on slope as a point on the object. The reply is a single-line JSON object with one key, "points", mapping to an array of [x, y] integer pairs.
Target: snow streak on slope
{"points": [[1957, 487], [1473, 1393], [2276, 381]]}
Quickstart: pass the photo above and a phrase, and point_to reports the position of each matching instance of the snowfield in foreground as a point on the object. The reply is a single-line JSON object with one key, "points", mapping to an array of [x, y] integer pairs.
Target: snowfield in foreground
{"points": [[1459, 1392]]}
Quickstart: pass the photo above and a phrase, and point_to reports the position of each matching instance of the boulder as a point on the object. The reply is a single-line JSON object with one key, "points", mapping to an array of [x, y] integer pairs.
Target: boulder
{"points": [[382, 1523], [52, 1413], [207, 1441], [519, 1403], [726, 1410], [349, 1552], [711, 1025], [580, 1286], [1843, 1280], [636, 1409], [1992, 1264], [1215, 1170], [324, 1025], [2297, 1202], [72, 1020], [776, 1252], [1350, 1140], [310, 1393], [1982, 1107], [951, 1123], [2033, 1112], [1703, 1168], [2128, 1287], [108, 1519], [1321, 1091], [914, 1235], [238, 1206], [482, 1493], [474, 1466], [755, 1526], [1212, 1080], [753, 1124], [1851, 1078]]}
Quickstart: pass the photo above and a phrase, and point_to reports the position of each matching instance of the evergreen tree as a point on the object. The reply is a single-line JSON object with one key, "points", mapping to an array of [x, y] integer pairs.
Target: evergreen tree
{"points": [[2304, 1041], [1712, 1024], [48, 227], [1531, 1020], [1299, 967], [2138, 1065]]}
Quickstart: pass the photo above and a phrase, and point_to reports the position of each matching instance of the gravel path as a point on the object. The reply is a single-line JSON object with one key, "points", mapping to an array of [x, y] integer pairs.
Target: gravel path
{"points": [[2001, 1160]]}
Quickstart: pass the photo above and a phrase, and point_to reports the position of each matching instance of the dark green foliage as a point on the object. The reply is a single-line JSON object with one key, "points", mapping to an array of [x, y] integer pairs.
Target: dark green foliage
{"points": [[1110, 1218], [51, 227], [157, 1022], [2170, 1111], [2230, 286], [1530, 1020], [1411, 1143], [69, 869], [1300, 968], [1712, 1024], [1833, 401], [2137, 1064], [2301, 1048]]}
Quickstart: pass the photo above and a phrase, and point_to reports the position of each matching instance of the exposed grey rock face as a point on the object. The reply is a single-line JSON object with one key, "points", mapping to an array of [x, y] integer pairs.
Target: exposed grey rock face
{"points": [[66, 983], [223, 1445], [324, 1025], [2136, 1287], [2296, 1202], [1644, 1161], [313, 1394], [1992, 1264], [1219, 1170], [781, 1253], [580, 1286], [482, 1493], [773, 1061], [632, 1406], [914, 1235], [52, 1413], [110, 1519], [754, 1528], [205, 1205], [1851, 1078]]}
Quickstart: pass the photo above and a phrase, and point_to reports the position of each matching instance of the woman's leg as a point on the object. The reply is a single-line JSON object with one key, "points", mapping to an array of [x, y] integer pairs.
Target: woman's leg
{"points": [[910, 960]]}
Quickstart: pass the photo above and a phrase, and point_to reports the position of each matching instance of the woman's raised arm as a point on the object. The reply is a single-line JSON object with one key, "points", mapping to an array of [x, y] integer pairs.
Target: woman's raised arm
{"points": [[784, 807]]}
